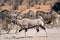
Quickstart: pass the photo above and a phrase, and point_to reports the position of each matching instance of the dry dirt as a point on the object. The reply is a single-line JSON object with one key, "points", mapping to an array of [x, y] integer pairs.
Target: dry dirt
{"points": [[52, 34]]}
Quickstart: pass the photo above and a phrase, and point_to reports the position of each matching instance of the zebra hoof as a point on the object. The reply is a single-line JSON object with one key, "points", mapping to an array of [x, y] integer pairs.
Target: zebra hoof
{"points": [[20, 30]]}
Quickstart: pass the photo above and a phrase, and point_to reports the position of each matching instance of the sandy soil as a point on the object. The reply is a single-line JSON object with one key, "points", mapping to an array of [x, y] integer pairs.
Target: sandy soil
{"points": [[52, 34]]}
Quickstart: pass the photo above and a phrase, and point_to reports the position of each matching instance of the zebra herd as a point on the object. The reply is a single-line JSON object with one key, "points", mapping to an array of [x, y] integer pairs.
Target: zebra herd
{"points": [[29, 20]]}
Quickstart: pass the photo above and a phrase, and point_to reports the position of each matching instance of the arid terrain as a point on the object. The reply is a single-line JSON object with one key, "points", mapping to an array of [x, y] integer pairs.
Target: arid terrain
{"points": [[52, 34]]}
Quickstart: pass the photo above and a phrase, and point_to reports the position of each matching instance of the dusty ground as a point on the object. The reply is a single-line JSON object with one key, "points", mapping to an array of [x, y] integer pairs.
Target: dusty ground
{"points": [[53, 34]]}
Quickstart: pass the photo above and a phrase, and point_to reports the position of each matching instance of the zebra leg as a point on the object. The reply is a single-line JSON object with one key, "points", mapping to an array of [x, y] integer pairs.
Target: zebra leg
{"points": [[8, 31], [0, 31], [46, 32], [43, 29], [25, 31], [37, 29], [57, 20], [16, 30]]}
